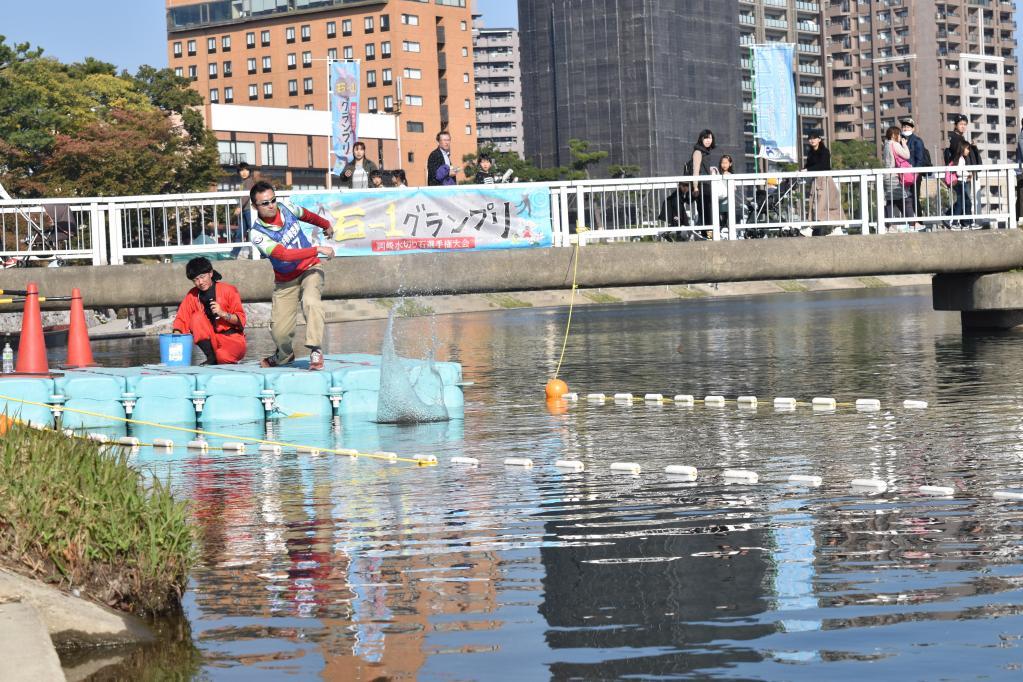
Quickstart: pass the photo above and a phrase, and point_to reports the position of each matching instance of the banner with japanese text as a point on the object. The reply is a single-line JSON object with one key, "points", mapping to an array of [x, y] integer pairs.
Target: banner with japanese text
{"points": [[774, 103], [344, 111], [408, 220]]}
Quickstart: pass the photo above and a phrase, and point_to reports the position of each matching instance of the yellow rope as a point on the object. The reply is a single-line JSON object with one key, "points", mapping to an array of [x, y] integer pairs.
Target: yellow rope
{"points": [[571, 307], [216, 434]]}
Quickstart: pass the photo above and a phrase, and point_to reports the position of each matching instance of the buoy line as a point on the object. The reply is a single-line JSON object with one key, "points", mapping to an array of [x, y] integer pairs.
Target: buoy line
{"points": [[819, 404]]}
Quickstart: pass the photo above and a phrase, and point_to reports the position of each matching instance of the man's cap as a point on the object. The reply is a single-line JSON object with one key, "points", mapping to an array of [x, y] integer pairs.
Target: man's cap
{"points": [[907, 121], [960, 117]]}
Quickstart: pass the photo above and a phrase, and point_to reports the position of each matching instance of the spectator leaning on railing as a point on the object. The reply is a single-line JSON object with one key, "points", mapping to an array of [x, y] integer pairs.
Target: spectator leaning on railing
{"points": [[895, 154]]}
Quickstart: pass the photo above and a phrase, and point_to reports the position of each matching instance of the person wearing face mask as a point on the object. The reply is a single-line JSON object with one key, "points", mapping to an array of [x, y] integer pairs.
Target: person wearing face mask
{"points": [[919, 157]]}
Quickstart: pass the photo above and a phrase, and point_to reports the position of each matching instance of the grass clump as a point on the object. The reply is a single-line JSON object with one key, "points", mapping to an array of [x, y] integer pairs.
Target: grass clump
{"points": [[791, 286], [601, 297], [507, 301], [79, 517], [406, 307]]}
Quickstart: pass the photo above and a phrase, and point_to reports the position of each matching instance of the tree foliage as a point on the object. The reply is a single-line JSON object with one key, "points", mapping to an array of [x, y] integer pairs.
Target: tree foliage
{"points": [[81, 129], [524, 170], [854, 154], [583, 158]]}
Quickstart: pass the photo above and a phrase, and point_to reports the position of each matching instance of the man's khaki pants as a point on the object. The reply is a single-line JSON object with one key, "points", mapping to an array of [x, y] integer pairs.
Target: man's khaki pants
{"points": [[304, 290]]}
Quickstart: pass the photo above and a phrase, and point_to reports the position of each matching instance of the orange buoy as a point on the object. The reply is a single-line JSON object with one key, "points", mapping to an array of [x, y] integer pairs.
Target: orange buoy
{"points": [[556, 388]]}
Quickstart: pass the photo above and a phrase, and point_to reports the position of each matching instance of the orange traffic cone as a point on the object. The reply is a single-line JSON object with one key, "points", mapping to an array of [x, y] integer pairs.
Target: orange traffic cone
{"points": [[79, 352], [32, 349]]}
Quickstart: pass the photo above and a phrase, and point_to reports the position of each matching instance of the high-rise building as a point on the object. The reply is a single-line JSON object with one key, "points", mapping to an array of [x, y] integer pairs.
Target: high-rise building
{"points": [[801, 23], [498, 87], [635, 78], [416, 64], [928, 59]]}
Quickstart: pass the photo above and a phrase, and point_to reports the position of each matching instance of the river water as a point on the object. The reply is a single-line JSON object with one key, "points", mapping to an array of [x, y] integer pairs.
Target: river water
{"points": [[323, 567]]}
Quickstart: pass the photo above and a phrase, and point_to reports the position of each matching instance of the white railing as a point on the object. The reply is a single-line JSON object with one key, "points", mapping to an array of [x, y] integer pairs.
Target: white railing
{"points": [[117, 230]]}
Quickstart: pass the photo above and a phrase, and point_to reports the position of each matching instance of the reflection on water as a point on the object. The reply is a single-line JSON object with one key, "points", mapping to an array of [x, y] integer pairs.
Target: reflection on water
{"points": [[325, 567]]}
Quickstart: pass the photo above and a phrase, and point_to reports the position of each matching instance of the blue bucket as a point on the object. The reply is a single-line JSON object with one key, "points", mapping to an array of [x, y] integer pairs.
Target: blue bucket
{"points": [[176, 350]]}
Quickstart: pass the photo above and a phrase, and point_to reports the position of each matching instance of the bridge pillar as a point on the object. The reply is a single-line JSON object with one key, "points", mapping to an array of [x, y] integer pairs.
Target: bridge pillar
{"points": [[984, 301]]}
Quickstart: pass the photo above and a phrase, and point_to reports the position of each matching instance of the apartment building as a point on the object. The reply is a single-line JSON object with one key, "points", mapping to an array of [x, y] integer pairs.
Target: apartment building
{"points": [[801, 23], [498, 87], [929, 59], [416, 65]]}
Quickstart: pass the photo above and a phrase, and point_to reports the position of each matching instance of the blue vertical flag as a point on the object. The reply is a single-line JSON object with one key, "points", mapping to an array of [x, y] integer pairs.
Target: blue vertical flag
{"points": [[774, 105], [344, 111]]}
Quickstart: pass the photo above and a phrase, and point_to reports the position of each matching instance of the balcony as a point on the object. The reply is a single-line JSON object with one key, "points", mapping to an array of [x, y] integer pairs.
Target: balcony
{"points": [[441, 36]]}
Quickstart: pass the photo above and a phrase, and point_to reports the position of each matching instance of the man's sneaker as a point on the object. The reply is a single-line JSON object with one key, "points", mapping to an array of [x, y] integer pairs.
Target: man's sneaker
{"points": [[316, 359], [272, 361]]}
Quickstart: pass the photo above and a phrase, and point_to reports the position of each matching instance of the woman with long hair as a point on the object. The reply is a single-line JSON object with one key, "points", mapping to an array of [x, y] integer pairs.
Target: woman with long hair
{"points": [[700, 164], [895, 154], [827, 202]]}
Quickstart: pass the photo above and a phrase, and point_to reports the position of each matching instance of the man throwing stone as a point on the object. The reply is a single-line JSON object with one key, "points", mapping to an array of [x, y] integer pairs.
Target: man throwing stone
{"points": [[298, 277]]}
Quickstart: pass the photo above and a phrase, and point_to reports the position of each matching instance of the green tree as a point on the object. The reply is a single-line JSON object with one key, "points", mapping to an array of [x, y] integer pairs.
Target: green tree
{"points": [[853, 155], [617, 170], [525, 171], [583, 158]]}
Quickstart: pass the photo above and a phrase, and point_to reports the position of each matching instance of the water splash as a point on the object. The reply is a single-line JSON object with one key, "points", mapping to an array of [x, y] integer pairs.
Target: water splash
{"points": [[398, 402]]}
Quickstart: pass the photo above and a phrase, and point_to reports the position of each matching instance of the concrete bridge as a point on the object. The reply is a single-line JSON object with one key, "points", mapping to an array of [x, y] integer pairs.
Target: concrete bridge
{"points": [[974, 271]]}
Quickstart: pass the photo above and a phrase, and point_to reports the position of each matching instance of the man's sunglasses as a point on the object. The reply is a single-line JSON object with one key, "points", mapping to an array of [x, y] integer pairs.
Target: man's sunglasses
{"points": [[268, 202]]}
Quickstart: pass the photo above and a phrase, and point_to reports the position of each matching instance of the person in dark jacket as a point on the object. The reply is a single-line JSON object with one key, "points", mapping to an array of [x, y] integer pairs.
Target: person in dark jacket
{"points": [[827, 202], [485, 171], [356, 172], [700, 164], [956, 138], [439, 169], [917, 158]]}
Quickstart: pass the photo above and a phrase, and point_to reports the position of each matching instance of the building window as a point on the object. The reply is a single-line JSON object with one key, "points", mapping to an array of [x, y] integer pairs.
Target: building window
{"points": [[211, 45], [227, 70], [307, 33], [414, 74], [346, 27], [292, 61], [308, 107], [225, 44], [465, 52], [228, 95], [177, 49], [414, 100], [368, 24], [293, 87], [179, 72], [388, 76], [193, 72], [468, 129], [332, 54], [307, 59], [463, 25], [410, 46], [385, 49], [250, 65], [415, 127], [371, 105], [331, 29], [468, 104], [385, 23], [214, 95], [213, 69], [307, 86], [273, 153], [348, 53], [411, 157], [371, 51], [250, 39], [371, 79], [191, 48], [289, 34], [388, 103], [266, 64], [465, 78], [253, 91], [410, 19], [268, 90], [264, 38]]}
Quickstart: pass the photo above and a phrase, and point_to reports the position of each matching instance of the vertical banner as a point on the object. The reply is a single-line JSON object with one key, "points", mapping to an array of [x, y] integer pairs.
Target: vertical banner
{"points": [[344, 111], [774, 104]]}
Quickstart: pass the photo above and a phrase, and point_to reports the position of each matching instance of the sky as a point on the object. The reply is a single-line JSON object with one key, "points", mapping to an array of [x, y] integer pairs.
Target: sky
{"points": [[128, 33]]}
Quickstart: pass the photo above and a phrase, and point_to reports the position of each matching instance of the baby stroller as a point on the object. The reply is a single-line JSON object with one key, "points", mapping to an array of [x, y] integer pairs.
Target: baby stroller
{"points": [[772, 203]]}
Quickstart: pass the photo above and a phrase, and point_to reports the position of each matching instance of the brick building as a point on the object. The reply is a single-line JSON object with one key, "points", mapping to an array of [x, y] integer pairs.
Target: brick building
{"points": [[417, 65]]}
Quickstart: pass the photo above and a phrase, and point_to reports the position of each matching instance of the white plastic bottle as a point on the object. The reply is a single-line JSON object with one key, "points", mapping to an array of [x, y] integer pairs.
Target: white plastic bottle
{"points": [[8, 359]]}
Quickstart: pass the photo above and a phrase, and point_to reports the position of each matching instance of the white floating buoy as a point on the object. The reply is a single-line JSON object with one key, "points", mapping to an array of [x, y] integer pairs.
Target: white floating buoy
{"points": [[233, 446], [866, 404], [1008, 495], [98, 437], [518, 462], [623, 397], [572, 464], [740, 475], [626, 467], [936, 490], [687, 472], [471, 461], [571, 397], [347, 452], [813, 481], [198, 445], [784, 403], [425, 459], [131, 441], [596, 397], [653, 397], [270, 448], [714, 400], [163, 443], [389, 456], [307, 450], [872, 484], [824, 403], [683, 399], [747, 401], [70, 432], [914, 404]]}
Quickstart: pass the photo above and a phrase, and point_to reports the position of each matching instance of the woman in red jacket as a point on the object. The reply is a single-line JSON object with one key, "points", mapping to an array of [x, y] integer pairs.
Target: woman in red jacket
{"points": [[212, 313]]}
